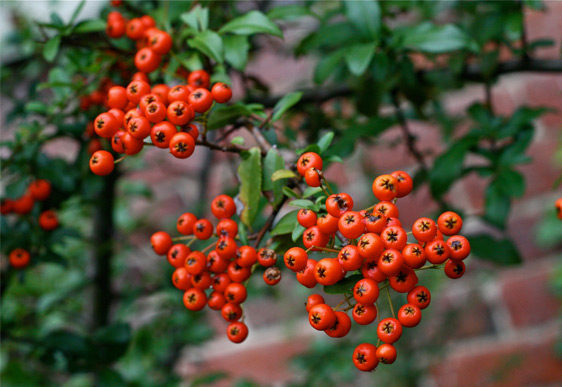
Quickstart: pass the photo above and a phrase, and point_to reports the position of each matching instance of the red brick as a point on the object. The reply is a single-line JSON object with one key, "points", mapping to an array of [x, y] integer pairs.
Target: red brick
{"points": [[502, 363], [527, 295], [266, 365]]}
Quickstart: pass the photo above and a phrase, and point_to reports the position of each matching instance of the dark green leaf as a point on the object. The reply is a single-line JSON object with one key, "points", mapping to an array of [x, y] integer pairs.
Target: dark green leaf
{"points": [[328, 65], [250, 172], [253, 22], [210, 44], [67, 342], [344, 286], [511, 183], [358, 57], [222, 115], [243, 234], [273, 163], [497, 205], [51, 48], [447, 168], [284, 104], [365, 16], [286, 224], [110, 378], [500, 251], [236, 51], [77, 12]]}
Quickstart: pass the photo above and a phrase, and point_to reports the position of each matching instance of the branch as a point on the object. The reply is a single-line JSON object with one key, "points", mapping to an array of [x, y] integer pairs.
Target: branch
{"points": [[472, 72], [269, 222]]}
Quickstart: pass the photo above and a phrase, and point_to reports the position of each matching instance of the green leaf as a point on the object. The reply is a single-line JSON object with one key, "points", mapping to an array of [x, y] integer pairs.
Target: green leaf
{"points": [[328, 65], [273, 163], [282, 174], [311, 191], [237, 140], [286, 224], [289, 12], [222, 115], [253, 22], [243, 234], [297, 232], [302, 203], [447, 168], [358, 57], [500, 251], [112, 341], [325, 141], [68, 342], [250, 172], [344, 286], [431, 38], [87, 26], [197, 18], [77, 12], [511, 183], [36, 107], [210, 44], [51, 48], [284, 104], [236, 51], [497, 205], [365, 16], [290, 193], [110, 378]]}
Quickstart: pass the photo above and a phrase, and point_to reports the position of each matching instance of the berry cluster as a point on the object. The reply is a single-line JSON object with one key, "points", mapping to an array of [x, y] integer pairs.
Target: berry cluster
{"points": [[38, 191], [222, 268], [159, 112], [374, 244]]}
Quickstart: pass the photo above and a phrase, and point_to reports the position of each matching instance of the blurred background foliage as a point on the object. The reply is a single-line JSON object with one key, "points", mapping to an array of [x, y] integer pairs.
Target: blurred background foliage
{"points": [[70, 319]]}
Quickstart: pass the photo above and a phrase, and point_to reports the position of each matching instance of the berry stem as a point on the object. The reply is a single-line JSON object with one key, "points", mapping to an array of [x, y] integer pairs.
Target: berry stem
{"points": [[120, 159], [214, 244], [323, 249], [183, 238], [430, 267], [390, 302], [369, 208]]}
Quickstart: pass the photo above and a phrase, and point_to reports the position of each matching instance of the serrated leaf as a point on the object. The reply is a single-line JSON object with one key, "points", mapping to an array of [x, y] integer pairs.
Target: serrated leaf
{"points": [[209, 43], [51, 48], [286, 224], [297, 232], [365, 16], [325, 141], [500, 251], [282, 174], [284, 104], [250, 172], [87, 26], [358, 57], [236, 49], [253, 22], [344, 286], [306, 204]]}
